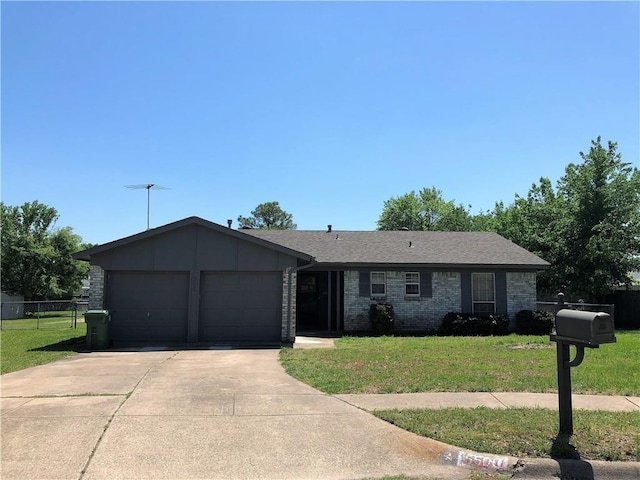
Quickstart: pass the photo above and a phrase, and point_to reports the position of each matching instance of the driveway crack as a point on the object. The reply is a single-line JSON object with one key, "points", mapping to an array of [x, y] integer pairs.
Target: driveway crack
{"points": [[113, 415]]}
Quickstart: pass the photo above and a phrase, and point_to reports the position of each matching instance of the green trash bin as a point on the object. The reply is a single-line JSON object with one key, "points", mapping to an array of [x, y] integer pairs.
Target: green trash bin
{"points": [[98, 334]]}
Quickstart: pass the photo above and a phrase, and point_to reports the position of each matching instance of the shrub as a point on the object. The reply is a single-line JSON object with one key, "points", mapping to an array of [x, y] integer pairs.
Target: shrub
{"points": [[529, 322], [382, 318], [468, 324]]}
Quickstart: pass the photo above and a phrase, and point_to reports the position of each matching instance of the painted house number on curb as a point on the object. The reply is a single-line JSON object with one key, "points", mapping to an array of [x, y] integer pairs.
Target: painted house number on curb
{"points": [[469, 459]]}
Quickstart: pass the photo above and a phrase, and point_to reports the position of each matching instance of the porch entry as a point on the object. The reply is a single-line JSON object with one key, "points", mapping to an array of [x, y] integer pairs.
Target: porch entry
{"points": [[319, 301]]}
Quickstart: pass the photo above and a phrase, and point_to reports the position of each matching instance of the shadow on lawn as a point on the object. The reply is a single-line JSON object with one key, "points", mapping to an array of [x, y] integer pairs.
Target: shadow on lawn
{"points": [[75, 344]]}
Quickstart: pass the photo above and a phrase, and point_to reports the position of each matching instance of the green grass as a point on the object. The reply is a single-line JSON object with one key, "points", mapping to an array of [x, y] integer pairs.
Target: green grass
{"points": [[43, 320], [523, 432], [463, 364], [27, 348]]}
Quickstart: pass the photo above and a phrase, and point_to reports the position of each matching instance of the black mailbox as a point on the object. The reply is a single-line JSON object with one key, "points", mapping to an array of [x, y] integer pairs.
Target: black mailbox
{"points": [[584, 328]]}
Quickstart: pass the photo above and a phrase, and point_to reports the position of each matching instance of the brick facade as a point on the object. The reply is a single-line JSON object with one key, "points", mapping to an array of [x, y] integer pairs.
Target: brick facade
{"points": [[521, 293], [96, 288], [425, 314], [415, 314]]}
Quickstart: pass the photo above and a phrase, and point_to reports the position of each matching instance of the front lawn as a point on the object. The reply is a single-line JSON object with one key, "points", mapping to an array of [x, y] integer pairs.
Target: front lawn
{"points": [[463, 364], [27, 348], [527, 432]]}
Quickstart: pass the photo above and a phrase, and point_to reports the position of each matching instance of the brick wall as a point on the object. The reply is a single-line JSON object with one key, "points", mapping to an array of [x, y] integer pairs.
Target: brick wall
{"points": [[96, 287], [425, 314], [412, 314], [521, 292], [285, 306]]}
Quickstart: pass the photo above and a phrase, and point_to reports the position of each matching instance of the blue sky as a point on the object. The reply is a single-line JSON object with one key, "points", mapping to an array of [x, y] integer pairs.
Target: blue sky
{"points": [[328, 108]]}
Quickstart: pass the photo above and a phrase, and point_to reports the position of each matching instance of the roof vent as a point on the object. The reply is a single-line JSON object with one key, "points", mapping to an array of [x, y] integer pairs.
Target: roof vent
{"points": [[329, 228], [336, 236], [410, 244], [404, 229], [229, 222], [246, 227]]}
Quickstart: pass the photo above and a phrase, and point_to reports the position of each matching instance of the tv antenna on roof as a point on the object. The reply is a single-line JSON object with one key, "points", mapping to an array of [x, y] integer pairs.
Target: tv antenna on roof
{"points": [[148, 186]]}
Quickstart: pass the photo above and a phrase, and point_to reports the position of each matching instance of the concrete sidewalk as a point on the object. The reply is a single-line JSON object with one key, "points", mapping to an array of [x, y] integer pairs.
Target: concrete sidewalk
{"points": [[373, 402]]}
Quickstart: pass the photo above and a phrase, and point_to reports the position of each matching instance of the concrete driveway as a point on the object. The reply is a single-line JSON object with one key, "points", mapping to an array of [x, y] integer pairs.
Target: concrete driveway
{"points": [[196, 414]]}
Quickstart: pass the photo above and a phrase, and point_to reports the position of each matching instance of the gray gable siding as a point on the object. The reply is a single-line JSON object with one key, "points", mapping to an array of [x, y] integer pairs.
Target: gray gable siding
{"points": [[193, 247]]}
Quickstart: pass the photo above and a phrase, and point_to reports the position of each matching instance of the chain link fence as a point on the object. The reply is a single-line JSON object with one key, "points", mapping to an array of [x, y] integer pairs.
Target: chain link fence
{"points": [[587, 307], [46, 314]]}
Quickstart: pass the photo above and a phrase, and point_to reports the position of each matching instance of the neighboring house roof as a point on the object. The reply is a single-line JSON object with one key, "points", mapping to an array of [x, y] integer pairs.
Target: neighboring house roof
{"points": [[86, 254], [433, 249]]}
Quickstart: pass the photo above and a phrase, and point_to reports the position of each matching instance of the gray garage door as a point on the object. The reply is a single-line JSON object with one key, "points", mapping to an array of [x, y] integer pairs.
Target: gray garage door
{"points": [[241, 307], [148, 306]]}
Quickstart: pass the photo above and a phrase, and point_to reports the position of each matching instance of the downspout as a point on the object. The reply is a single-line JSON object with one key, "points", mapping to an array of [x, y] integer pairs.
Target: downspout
{"points": [[290, 272]]}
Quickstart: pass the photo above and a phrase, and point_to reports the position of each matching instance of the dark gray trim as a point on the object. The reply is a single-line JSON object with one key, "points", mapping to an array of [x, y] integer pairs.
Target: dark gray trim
{"points": [[426, 288], [501, 292], [466, 292], [364, 284], [413, 267]]}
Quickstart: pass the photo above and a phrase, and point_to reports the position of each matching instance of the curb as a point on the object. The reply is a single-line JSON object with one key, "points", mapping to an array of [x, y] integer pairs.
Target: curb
{"points": [[543, 469]]}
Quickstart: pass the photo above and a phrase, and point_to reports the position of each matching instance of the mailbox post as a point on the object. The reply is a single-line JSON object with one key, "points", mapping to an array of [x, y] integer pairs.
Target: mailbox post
{"points": [[583, 330]]}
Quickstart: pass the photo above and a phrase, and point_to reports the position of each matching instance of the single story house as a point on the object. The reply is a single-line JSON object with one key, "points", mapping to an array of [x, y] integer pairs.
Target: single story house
{"points": [[194, 281]]}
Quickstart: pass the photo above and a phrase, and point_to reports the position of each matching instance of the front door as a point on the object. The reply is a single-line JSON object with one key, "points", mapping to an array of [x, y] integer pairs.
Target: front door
{"points": [[319, 301], [308, 302]]}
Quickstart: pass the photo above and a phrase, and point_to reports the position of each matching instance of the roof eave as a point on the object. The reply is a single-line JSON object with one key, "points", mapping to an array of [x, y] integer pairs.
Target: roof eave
{"points": [[429, 266]]}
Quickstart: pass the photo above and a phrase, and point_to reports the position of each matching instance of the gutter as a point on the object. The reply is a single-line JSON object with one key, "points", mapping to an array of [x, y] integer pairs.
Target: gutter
{"points": [[290, 271]]}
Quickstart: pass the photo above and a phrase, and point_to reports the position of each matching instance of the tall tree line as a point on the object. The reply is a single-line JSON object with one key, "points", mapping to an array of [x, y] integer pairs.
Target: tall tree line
{"points": [[587, 226], [37, 258]]}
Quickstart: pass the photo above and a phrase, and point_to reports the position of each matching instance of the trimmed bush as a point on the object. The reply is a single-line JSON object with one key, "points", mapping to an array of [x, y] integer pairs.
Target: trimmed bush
{"points": [[537, 322], [468, 324], [382, 318]]}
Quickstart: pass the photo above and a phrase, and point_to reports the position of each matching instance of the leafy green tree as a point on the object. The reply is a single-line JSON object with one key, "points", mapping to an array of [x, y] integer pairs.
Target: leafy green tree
{"points": [[537, 223], [425, 210], [603, 229], [37, 258], [268, 216], [588, 228]]}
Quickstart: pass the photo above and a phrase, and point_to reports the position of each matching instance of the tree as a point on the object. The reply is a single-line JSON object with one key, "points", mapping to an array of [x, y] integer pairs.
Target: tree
{"points": [[425, 210], [268, 216], [603, 230], [36, 258], [588, 228], [537, 223]]}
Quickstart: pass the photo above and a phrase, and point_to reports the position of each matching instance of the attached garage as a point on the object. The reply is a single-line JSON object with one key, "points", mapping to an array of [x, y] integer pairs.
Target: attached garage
{"points": [[148, 306], [194, 281], [241, 307]]}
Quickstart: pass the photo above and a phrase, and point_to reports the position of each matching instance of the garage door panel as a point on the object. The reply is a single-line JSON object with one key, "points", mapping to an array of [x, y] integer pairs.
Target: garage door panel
{"points": [[148, 306], [241, 307]]}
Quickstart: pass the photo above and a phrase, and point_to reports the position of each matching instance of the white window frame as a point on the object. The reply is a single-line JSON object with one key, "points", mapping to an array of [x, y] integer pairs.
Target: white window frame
{"points": [[483, 301], [378, 282], [412, 279]]}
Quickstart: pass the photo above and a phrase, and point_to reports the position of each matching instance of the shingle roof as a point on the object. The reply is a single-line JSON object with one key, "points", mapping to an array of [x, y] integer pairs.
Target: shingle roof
{"points": [[405, 247]]}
